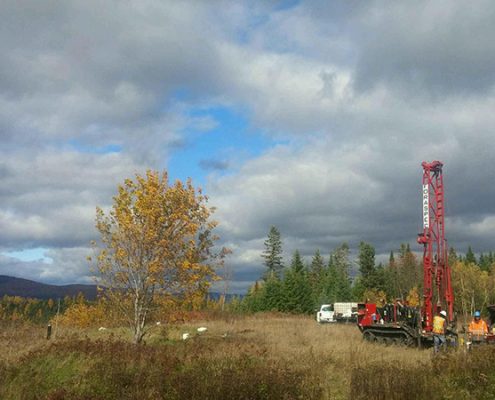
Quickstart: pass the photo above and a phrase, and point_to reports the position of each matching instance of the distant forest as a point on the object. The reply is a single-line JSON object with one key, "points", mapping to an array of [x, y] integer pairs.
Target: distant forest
{"points": [[300, 286]]}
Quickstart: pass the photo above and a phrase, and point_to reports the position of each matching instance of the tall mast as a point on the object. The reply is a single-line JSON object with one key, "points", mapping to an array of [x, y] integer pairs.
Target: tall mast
{"points": [[437, 287]]}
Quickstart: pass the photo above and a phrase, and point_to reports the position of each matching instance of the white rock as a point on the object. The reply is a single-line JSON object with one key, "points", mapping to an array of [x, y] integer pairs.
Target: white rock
{"points": [[202, 329], [158, 323], [102, 328], [185, 336]]}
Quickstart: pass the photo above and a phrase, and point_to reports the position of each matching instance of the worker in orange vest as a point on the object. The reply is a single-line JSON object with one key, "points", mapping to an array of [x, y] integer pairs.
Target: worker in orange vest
{"points": [[439, 329], [478, 329]]}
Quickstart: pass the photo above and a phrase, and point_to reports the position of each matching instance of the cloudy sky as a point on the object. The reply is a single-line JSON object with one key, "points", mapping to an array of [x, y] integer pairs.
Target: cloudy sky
{"points": [[311, 116]]}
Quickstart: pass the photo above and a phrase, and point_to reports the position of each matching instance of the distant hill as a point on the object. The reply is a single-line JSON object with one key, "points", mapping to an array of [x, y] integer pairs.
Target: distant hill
{"points": [[12, 286]]}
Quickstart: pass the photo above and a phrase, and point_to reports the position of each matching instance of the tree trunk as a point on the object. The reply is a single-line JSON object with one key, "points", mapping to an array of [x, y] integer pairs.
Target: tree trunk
{"points": [[139, 319], [138, 335]]}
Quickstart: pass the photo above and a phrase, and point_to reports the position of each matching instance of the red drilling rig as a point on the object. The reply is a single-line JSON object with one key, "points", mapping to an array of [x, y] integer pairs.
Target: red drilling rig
{"points": [[398, 322], [435, 253]]}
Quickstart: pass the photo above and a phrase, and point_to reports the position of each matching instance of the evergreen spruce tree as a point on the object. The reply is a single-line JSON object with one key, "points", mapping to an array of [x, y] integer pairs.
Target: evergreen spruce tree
{"points": [[409, 271], [296, 287], [392, 281], [317, 277], [358, 289], [381, 278], [484, 262], [391, 258], [327, 294], [273, 296], [367, 268], [341, 264], [296, 263], [490, 262], [317, 265], [470, 257], [272, 254]]}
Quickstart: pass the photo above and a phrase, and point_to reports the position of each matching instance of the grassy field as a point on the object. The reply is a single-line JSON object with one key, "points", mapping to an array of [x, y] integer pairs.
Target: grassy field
{"points": [[257, 357]]}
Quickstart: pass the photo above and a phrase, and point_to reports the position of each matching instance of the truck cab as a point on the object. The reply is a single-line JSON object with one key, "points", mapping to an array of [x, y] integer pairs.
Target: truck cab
{"points": [[325, 314]]}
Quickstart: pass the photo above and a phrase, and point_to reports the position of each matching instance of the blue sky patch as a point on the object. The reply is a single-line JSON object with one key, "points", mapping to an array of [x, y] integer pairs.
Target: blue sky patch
{"points": [[36, 254], [222, 149]]}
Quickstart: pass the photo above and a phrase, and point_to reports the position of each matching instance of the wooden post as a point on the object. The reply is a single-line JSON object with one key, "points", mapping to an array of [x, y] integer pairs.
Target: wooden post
{"points": [[48, 331]]}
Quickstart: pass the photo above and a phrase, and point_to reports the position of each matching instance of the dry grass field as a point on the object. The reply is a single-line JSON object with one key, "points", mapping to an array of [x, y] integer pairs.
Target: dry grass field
{"points": [[252, 357], [329, 351]]}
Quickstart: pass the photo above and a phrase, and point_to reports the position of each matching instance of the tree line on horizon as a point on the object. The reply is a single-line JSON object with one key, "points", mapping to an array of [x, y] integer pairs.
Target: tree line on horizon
{"points": [[301, 287]]}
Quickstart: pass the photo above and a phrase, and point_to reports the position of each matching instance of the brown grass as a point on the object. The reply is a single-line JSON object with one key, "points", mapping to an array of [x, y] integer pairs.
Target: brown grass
{"points": [[19, 338], [330, 351], [320, 360]]}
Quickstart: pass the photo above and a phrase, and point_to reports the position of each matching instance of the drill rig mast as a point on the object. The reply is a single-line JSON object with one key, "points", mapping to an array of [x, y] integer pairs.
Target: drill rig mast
{"points": [[437, 289]]}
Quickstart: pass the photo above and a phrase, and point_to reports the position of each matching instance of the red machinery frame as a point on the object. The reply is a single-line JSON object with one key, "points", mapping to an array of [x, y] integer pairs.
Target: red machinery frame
{"points": [[437, 277]]}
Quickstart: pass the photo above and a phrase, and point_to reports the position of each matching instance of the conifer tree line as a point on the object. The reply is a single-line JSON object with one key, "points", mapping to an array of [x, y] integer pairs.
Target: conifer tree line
{"points": [[302, 286]]}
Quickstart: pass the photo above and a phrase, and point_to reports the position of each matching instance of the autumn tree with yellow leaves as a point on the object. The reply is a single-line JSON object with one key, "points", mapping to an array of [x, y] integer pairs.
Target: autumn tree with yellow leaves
{"points": [[157, 244], [473, 288]]}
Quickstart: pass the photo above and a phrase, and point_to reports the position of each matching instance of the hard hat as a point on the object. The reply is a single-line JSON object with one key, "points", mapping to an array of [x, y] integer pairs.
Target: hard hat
{"points": [[443, 313], [477, 314]]}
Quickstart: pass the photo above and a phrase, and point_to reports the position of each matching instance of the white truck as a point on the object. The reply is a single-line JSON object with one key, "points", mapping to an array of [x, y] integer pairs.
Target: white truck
{"points": [[337, 312], [325, 314]]}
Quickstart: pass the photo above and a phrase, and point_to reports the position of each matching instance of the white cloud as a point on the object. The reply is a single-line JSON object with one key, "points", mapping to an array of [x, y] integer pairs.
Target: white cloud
{"points": [[361, 93]]}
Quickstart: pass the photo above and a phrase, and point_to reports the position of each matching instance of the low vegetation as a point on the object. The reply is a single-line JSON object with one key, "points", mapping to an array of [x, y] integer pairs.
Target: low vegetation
{"points": [[455, 375], [229, 361], [266, 356]]}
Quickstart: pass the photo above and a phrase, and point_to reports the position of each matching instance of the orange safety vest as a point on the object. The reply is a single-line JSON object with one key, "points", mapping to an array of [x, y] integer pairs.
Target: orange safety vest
{"points": [[439, 325], [478, 328]]}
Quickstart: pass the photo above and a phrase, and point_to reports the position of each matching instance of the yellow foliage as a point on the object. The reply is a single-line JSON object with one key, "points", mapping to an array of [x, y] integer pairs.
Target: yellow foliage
{"points": [[473, 287], [413, 297], [375, 296], [157, 242], [82, 315]]}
